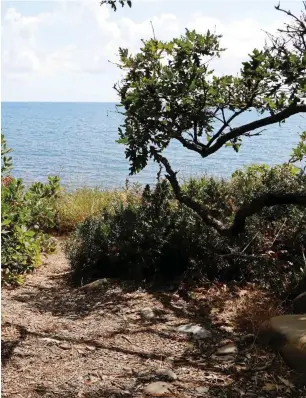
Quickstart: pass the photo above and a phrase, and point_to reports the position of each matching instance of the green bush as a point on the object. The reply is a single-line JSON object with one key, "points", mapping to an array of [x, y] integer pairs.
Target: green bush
{"points": [[156, 239], [27, 216]]}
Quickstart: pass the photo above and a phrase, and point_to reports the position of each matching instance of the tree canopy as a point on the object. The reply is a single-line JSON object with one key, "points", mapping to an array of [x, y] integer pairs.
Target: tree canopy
{"points": [[170, 92]]}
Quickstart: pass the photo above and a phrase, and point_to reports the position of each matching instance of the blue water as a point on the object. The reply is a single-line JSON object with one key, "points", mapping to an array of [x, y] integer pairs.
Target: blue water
{"points": [[77, 142]]}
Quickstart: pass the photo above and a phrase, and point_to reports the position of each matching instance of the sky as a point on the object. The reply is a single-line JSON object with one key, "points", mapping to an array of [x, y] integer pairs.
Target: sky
{"points": [[65, 50]]}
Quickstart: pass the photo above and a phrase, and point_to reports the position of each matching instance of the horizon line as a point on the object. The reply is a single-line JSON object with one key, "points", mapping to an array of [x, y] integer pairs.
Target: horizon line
{"points": [[67, 102]]}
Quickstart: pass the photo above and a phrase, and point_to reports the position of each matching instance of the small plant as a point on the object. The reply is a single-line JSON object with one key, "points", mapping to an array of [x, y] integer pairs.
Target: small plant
{"points": [[27, 216]]}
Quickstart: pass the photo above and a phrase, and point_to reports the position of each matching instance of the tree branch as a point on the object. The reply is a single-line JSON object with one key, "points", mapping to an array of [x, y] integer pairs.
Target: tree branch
{"points": [[266, 121], [248, 209]]}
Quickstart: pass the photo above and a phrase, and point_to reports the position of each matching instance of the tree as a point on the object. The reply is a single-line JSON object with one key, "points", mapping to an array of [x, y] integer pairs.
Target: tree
{"points": [[170, 92]]}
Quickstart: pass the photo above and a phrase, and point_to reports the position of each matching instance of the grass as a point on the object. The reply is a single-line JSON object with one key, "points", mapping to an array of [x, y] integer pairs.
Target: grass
{"points": [[74, 207]]}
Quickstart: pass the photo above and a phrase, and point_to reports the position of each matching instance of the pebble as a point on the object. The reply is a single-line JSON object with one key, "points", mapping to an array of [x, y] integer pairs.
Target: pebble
{"points": [[65, 346], [147, 313], [158, 389], [197, 331], [229, 348]]}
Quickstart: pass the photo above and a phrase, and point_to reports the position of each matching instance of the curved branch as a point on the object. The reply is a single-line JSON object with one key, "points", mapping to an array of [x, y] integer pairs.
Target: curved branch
{"points": [[248, 209], [246, 128], [257, 204]]}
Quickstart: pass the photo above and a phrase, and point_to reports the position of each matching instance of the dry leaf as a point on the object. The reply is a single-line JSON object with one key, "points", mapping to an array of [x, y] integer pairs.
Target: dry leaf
{"points": [[269, 387]]}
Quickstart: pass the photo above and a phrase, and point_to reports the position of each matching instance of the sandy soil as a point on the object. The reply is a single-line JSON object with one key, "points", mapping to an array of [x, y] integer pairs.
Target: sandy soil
{"points": [[61, 341]]}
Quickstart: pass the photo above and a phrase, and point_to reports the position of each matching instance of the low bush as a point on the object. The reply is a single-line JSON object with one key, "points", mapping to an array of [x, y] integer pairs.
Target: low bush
{"points": [[27, 215], [156, 239]]}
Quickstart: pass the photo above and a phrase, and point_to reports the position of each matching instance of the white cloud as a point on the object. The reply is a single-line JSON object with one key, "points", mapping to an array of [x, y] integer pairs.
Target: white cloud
{"points": [[79, 38]]}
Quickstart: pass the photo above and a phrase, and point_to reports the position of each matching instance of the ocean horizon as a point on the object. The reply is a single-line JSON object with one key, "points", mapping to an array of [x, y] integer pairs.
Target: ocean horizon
{"points": [[77, 141]]}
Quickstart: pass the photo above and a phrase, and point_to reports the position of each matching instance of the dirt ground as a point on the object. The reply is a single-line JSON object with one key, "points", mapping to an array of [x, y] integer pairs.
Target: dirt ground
{"points": [[61, 341]]}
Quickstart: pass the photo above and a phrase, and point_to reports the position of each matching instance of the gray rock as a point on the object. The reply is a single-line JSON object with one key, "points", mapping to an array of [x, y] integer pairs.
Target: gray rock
{"points": [[167, 374], [147, 313], [299, 304], [197, 331], [229, 348], [158, 389], [202, 390]]}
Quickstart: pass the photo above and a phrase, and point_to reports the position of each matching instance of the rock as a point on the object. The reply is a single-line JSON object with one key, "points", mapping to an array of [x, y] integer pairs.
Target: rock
{"points": [[90, 348], [299, 304], [98, 284], [287, 333], [158, 389], [167, 374], [49, 340], [65, 346], [202, 390], [147, 313], [229, 348], [197, 331]]}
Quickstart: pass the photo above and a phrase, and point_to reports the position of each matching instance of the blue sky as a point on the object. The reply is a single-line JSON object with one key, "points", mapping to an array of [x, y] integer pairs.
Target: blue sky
{"points": [[60, 50]]}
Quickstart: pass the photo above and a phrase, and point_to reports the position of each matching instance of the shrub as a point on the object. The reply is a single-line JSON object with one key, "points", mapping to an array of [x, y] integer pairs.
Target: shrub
{"points": [[27, 216], [157, 239]]}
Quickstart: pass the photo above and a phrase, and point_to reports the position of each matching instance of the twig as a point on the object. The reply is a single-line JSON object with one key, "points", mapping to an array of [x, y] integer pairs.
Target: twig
{"points": [[249, 243], [304, 258], [128, 340], [278, 232], [153, 30]]}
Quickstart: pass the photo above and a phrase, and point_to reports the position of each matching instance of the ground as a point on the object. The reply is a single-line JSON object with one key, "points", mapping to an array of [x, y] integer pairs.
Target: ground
{"points": [[62, 341]]}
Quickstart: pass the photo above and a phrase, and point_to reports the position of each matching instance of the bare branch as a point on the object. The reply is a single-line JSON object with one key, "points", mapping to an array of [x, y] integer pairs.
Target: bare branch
{"points": [[239, 131]]}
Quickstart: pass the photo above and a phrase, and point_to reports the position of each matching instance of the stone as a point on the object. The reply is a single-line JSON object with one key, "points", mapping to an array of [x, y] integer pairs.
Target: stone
{"points": [[159, 389], [147, 313], [287, 333], [299, 304], [65, 346], [90, 348], [167, 374], [96, 285], [197, 331], [202, 390], [49, 340], [229, 348]]}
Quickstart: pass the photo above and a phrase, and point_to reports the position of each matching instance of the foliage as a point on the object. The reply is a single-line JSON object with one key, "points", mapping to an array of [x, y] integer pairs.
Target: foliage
{"points": [[114, 3], [299, 152], [170, 92], [158, 239], [26, 216], [6, 161]]}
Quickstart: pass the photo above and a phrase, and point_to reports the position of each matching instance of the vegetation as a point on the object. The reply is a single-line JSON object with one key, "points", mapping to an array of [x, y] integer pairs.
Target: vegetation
{"points": [[169, 92], [74, 207], [157, 239], [27, 216]]}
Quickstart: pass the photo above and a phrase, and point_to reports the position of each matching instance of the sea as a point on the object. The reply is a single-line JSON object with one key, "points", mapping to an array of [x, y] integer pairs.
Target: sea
{"points": [[77, 141]]}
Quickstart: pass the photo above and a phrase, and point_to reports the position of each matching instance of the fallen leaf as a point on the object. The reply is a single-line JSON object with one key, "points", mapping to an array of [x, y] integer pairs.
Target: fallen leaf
{"points": [[269, 387]]}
